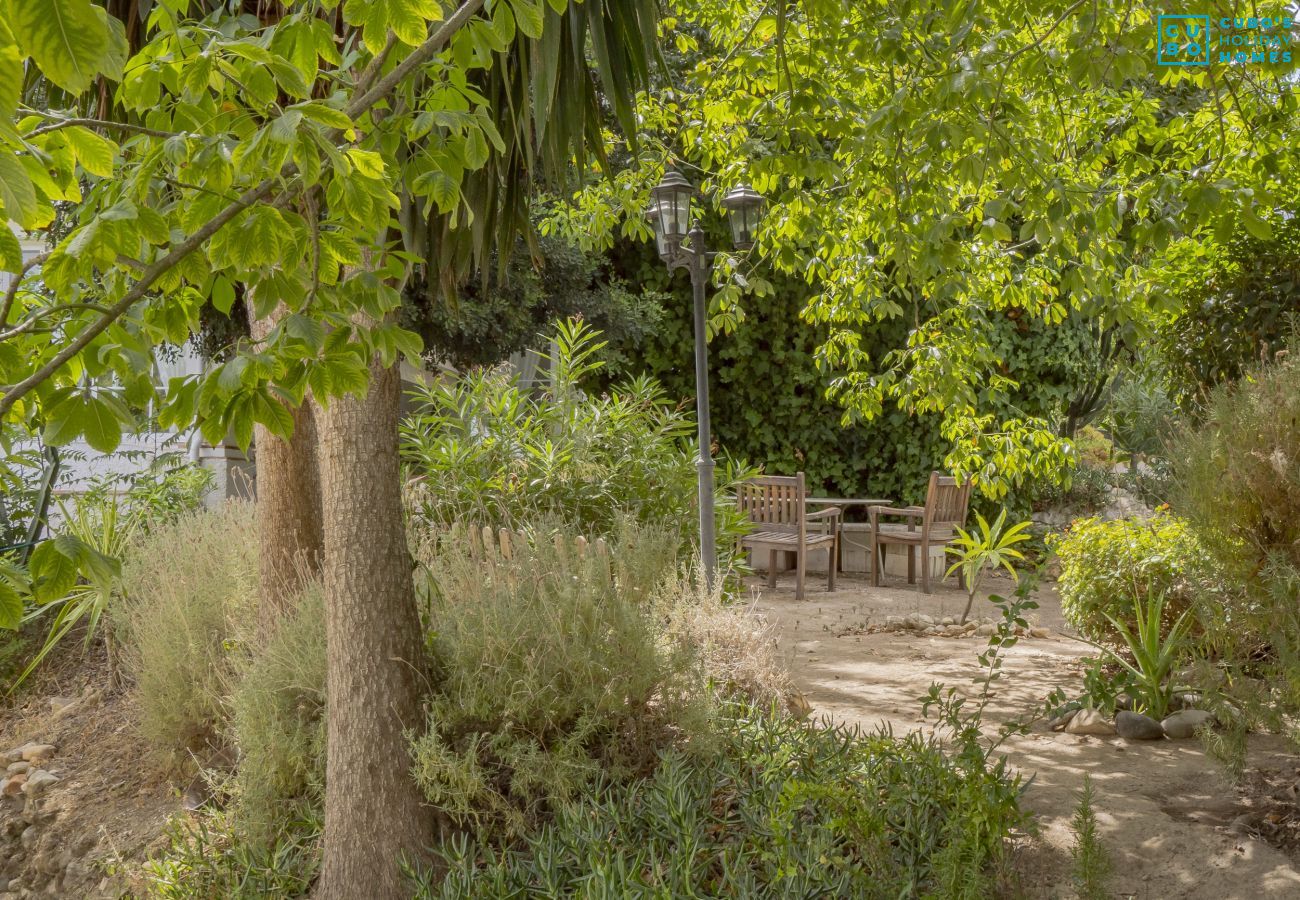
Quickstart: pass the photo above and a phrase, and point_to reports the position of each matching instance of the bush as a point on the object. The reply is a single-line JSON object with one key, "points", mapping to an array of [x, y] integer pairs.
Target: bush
{"points": [[782, 809], [189, 595], [1238, 478], [552, 675], [277, 726], [489, 452], [1108, 567]]}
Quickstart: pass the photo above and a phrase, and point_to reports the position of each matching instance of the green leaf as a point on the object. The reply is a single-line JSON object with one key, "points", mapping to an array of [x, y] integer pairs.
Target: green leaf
{"points": [[11, 72], [102, 427], [95, 153], [528, 16], [476, 149], [53, 573], [1258, 228], [306, 329], [11, 607], [223, 295], [367, 162], [16, 192], [11, 252], [285, 128], [69, 41]]}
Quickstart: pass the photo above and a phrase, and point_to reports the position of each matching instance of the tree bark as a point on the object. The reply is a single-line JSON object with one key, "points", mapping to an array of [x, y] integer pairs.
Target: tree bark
{"points": [[289, 526], [373, 810]]}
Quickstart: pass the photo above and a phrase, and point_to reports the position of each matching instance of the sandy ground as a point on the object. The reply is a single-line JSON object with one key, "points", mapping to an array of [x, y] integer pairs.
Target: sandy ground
{"points": [[1163, 808]]}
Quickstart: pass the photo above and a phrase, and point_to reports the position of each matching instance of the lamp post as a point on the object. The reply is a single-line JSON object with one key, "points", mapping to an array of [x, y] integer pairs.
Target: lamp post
{"points": [[681, 245]]}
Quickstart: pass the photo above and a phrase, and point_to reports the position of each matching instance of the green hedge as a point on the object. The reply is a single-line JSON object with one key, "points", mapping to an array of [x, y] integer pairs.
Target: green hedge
{"points": [[768, 396]]}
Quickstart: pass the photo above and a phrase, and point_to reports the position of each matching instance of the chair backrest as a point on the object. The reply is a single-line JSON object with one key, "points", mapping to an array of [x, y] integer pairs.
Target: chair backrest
{"points": [[946, 502], [776, 502]]}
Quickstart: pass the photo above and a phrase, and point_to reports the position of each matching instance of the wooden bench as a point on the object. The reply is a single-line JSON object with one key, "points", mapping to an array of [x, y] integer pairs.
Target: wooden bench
{"points": [[776, 505]]}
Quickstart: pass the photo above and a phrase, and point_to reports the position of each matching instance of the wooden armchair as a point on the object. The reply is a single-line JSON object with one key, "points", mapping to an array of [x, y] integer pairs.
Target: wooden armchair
{"points": [[776, 506], [944, 512]]}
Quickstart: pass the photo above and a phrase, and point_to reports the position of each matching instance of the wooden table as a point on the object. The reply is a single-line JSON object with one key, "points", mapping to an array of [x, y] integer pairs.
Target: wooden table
{"points": [[845, 503]]}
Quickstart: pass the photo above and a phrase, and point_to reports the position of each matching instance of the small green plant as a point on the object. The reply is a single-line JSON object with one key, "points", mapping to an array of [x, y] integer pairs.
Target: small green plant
{"points": [[992, 547], [75, 575], [1091, 862], [206, 857], [1155, 653], [1227, 745]]}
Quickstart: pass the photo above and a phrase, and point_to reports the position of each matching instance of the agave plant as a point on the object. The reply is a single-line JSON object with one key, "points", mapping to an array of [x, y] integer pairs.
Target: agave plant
{"points": [[991, 547], [1154, 654]]}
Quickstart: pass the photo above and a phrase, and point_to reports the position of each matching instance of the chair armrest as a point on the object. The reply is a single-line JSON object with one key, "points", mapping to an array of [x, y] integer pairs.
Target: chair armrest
{"points": [[916, 512], [823, 513]]}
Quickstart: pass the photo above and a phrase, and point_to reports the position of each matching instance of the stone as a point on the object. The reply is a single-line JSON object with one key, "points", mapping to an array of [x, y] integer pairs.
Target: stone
{"points": [[986, 630], [1137, 727], [38, 781], [11, 756], [893, 623], [947, 620], [38, 753], [1058, 722], [1183, 724], [797, 705], [1089, 721], [12, 785], [1039, 632], [18, 767], [29, 838]]}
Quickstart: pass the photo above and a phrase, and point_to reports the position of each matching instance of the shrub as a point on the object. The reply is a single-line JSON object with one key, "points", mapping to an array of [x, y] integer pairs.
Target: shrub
{"points": [[277, 725], [189, 594], [1238, 477], [783, 809], [490, 452], [735, 650], [1108, 567], [552, 675], [1141, 418]]}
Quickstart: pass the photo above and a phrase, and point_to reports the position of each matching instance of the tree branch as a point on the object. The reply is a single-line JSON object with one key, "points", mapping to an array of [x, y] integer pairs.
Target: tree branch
{"points": [[141, 287], [12, 292], [59, 123], [359, 105]]}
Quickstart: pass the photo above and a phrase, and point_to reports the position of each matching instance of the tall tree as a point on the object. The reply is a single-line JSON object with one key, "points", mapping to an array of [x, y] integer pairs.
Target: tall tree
{"points": [[427, 121], [942, 165]]}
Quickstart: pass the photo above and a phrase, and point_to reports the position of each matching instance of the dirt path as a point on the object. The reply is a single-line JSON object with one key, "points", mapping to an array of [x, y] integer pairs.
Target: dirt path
{"points": [[1164, 809]]}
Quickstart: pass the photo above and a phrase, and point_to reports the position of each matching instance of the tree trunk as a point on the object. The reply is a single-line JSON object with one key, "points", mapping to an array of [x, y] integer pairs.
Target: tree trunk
{"points": [[289, 526], [373, 810]]}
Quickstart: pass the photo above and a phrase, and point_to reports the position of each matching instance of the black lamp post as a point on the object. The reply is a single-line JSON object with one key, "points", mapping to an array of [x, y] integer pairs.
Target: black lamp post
{"points": [[670, 214]]}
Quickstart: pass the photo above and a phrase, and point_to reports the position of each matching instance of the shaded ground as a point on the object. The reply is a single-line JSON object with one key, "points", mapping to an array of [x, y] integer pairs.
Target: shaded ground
{"points": [[1165, 812], [111, 801]]}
